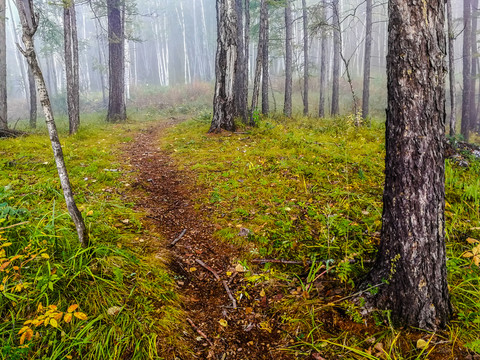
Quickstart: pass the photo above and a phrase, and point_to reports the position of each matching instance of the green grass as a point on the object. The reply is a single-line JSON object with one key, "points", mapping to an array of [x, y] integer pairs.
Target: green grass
{"points": [[312, 189], [43, 264]]}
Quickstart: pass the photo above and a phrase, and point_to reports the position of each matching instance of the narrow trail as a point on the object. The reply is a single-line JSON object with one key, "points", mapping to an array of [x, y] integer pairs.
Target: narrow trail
{"points": [[217, 330]]}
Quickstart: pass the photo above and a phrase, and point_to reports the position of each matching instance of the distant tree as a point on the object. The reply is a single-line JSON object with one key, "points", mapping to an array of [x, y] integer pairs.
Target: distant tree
{"points": [[29, 21], [451, 70], [473, 76], [3, 68], [116, 62], [410, 269], [265, 63], [336, 58], [367, 58], [467, 63], [323, 60], [287, 107], [71, 65], [305, 56], [242, 64], [225, 65]]}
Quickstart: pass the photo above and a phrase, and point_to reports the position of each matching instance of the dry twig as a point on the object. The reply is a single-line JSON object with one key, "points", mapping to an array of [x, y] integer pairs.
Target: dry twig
{"points": [[200, 262], [178, 238], [200, 332], [227, 289]]}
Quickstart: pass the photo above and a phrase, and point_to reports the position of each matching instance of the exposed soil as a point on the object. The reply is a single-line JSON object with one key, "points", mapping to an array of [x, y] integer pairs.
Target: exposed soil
{"points": [[217, 329]]}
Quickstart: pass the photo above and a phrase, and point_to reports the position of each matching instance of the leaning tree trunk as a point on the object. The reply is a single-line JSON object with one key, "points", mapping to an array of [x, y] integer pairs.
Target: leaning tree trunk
{"points": [[3, 68], [225, 64], [116, 63], [265, 65], [29, 22], [410, 269], [451, 70], [467, 62], [336, 59], [305, 57], [287, 107], [366, 60], [71, 65]]}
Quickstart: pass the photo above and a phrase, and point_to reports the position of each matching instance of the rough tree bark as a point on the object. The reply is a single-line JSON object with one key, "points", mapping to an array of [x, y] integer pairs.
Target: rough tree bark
{"points": [[366, 60], [336, 59], [117, 111], [323, 62], [259, 63], [71, 64], [3, 68], [29, 21], [411, 260], [265, 65], [305, 57], [473, 77], [225, 65], [451, 70], [467, 62], [240, 78], [33, 99], [287, 107]]}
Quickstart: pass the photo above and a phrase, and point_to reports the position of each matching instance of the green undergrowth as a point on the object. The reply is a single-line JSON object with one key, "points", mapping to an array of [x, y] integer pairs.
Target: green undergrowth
{"points": [[311, 190], [57, 300]]}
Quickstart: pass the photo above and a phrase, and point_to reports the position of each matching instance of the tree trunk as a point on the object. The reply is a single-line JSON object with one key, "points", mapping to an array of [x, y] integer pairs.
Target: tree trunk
{"points": [[265, 65], [225, 65], [410, 268], [366, 60], [246, 58], [336, 59], [240, 106], [451, 70], [3, 68], [71, 65], [258, 66], [467, 62], [323, 62], [473, 77], [116, 63], [29, 22], [287, 107], [305, 57], [33, 99]]}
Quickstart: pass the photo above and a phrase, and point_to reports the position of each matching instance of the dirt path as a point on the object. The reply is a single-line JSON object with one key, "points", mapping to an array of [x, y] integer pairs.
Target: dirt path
{"points": [[217, 329]]}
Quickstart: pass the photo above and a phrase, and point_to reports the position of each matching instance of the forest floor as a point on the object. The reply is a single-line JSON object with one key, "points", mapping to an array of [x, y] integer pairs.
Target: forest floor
{"points": [[229, 315], [207, 271]]}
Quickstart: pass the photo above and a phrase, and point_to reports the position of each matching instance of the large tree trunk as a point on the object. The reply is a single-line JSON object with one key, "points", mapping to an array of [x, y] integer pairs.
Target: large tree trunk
{"points": [[117, 111], [240, 77], [410, 269], [451, 70], [323, 62], [265, 65], [336, 58], [3, 68], [225, 64], [305, 57], [467, 62], [473, 77], [33, 99], [71, 66], [287, 107], [29, 22], [366, 60]]}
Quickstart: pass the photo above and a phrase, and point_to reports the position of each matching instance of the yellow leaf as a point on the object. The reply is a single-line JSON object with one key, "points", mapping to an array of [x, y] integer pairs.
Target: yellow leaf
{"points": [[262, 293], [248, 310], [80, 315], [47, 320], [472, 241], [67, 318], [68, 356], [53, 323], [6, 244], [4, 265], [476, 260], [23, 329], [421, 344], [193, 269], [45, 256], [52, 307], [22, 338], [90, 213], [29, 334], [39, 307], [229, 273], [223, 322], [468, 254], [72, 308], [58, 316], [2, 287]]}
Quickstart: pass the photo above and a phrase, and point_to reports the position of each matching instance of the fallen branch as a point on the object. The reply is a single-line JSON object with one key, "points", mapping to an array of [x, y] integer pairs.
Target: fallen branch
{"points": [[14, 225], [178, 238], [9, 133], [200, 332], [227, 289], [200, 262], [276, 261]]}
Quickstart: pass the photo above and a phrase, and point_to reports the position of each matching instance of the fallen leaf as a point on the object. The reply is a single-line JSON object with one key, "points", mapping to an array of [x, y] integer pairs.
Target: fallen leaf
{"points": [[114, 310], [421, 344], [72, 308], [240, 268], [262, 293], [90, 213], [223, 322]]}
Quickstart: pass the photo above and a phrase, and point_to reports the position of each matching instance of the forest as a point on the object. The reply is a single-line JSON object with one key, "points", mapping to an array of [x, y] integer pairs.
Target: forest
{"points": [[239, 179]]}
